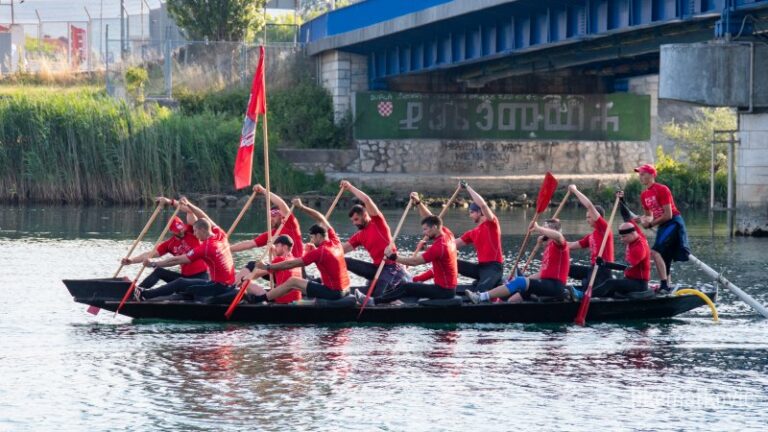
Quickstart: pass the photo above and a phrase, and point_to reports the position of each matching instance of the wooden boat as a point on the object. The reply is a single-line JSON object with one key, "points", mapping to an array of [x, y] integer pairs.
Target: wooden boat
{"points": [[106, 294]]}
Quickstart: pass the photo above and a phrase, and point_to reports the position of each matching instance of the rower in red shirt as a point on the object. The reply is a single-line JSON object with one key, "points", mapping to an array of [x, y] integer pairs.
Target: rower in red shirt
{"points": [[283, 245], [328, 256], [374, 236], [549, 282], [213, 250], [593, 240], [182, 241], [660, 210], [442, 254], [638, 256], [486, 237], [280, 211]]}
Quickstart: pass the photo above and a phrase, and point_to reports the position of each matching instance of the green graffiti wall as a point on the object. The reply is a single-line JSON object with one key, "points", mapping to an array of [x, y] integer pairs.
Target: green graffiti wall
{"points": [[598, 117]]}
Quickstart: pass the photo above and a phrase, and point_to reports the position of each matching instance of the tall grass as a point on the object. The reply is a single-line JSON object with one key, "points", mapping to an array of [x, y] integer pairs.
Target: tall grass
{"points": [[82, 146]]}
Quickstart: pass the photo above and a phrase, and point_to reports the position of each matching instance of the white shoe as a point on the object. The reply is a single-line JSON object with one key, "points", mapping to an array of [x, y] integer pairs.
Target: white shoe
{"points": [[472, 296], [360, 297]]}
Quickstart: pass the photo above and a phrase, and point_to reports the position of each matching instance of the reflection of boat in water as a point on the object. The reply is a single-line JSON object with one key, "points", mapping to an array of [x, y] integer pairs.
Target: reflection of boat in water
{"points": [[106, 294]]}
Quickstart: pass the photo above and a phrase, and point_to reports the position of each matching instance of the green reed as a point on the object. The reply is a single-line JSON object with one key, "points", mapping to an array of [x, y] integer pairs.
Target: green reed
{"points": [[81, 146]]}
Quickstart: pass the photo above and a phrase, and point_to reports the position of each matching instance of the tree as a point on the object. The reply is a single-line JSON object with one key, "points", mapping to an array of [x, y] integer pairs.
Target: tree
{"points": [[695, 138], [312, 8], [218, 20]]}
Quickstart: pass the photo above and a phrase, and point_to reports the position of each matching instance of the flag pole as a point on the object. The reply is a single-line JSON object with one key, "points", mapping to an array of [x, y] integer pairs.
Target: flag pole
{"points": [[265, 129]]}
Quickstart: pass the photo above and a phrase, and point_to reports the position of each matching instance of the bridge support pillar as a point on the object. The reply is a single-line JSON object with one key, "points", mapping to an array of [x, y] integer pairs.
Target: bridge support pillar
{"points": [[752, 175], [342, 74]]}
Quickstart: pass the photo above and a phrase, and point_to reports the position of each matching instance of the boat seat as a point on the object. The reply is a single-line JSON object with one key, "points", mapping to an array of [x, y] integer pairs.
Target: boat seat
{"points": [[637, 295], [344, 302], [451, 302]]}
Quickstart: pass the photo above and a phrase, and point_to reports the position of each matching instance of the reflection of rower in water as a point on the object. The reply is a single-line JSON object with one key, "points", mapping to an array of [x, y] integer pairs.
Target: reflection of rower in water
{"points": [[636, 253], [593, 240], [549, 282], [328, 255], [182, 241], [442, 255], [282, 251], [374, 235], [213, 250]]}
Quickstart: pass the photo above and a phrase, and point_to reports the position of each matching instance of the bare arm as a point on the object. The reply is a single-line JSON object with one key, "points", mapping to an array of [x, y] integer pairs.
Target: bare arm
{"points": [[423, 210], [411, 261], [196, 211], [487, 212], [347, 247], [370, 206], [574, 245], [138, 258], [243, 245], [314, 214], [584, 201], [284, 265], [459, 243], [552, 234], [667, 216], [274, 199], [168, 262]]}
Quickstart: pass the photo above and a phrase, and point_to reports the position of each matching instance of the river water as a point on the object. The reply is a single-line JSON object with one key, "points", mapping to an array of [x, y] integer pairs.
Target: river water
{"points": [[63, 369]]}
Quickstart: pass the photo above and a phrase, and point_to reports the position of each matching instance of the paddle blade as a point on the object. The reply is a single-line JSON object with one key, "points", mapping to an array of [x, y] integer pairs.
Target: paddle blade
{"points": [[581, 316], [93, 310], [238, 297], [128, 294], [548, 187]]}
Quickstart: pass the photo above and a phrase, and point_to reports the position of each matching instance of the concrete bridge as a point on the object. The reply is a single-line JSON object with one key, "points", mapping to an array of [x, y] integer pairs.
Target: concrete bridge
{"points": [[500, 88]]}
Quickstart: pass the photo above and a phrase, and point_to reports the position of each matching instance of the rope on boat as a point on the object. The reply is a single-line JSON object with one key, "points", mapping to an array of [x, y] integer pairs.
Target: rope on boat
{"points": [[703, 297]]}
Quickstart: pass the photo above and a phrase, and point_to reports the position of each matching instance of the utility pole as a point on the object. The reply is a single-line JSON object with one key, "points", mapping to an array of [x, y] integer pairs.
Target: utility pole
{"points": [[122, 29]]}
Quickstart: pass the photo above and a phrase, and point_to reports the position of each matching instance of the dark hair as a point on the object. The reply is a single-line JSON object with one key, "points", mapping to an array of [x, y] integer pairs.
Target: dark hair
{"points": [[432, 221], [317, 229], [202, 224], [285, 240], [356, 209], [553, 223], [600, 210]]}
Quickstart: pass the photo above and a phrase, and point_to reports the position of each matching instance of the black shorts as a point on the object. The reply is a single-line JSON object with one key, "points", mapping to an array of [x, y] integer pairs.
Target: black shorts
{"points": [[545, 288], [321, 291]]}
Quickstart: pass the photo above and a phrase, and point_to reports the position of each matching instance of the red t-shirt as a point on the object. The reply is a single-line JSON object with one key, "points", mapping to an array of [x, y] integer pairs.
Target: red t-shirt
{"points": [[214, 251], [594, 239], [638, 255], [442, 254], [292, 230], [555, 261], [375, 237], [329, 259], [283, 275], [487, 240], [180, 246], [655, 198]]}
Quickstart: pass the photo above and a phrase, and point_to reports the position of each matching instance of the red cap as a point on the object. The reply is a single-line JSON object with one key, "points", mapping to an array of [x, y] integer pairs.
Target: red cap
{"points": [[177, 225], [647, 168]]}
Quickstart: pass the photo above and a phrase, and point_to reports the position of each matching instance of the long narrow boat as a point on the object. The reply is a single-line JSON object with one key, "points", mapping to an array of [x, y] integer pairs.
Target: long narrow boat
{"points": [[106, 294]]}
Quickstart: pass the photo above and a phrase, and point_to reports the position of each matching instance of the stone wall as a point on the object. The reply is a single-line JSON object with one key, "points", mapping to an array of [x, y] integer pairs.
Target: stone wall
{"points": [[752, 175]]}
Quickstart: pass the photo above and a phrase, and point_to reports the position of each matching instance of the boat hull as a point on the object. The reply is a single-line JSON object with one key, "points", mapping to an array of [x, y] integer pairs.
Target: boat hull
{"points": [[106, 294]]}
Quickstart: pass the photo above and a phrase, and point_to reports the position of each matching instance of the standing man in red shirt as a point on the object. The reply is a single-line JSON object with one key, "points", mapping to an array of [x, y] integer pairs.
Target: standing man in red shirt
{"points": [[486, 237], [593, 240], [374, 236], [213, 250], [442, 254], [181, 242], [551, 279], [280, 211], [636, 253], [328, 255], [283, 245], [671, 237]]}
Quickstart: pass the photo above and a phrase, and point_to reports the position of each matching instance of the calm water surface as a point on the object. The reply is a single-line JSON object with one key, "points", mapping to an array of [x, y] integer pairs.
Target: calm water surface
{"points": [[63, 369]]}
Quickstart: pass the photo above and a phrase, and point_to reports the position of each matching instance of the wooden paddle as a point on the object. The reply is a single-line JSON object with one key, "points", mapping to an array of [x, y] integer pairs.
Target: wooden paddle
{"points": [[581, 316], [448, 205], [546, 191], [333, 204], [129, 292], [383, 259], [141, 235], [554, 216], [247, 281], [242, 213]]}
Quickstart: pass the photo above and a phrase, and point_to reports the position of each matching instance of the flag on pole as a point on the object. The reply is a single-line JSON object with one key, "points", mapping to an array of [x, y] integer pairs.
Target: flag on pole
{"points": [[257, 104]]}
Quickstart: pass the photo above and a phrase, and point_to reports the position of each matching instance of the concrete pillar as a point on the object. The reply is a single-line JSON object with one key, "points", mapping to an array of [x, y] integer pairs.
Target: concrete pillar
{"points": [[752, 175], [343, 74]]}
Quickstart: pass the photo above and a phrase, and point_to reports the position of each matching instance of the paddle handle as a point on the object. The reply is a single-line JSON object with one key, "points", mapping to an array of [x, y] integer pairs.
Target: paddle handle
{"points": [[554, 216], [333, 204], [581, 316], [141, 236], [242, 213], [151, 254], [383, 259], [448, 205], [522, 247], [247, 281]]}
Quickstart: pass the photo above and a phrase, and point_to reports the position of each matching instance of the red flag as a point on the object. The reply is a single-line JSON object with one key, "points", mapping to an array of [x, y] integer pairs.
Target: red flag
{"points": [[257, 104]]}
